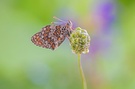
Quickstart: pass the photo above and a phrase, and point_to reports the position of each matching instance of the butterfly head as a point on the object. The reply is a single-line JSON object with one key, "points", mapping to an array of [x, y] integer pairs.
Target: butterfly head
{"points": [[69, 24]]}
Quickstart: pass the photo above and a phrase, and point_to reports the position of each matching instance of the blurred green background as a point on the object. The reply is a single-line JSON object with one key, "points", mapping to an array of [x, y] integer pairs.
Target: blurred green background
{"points": [[110, 64]]}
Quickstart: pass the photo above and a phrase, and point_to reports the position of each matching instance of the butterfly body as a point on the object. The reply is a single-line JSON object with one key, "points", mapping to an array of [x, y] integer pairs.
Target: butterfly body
{"points": [[51, 36]]}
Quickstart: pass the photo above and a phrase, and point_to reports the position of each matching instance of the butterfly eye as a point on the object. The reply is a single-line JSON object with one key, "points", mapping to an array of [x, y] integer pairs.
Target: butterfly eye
{"points": [[69, 24]]}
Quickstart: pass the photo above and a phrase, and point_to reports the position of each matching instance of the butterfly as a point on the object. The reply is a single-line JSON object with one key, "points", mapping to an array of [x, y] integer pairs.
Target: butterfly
{"points": [[51, 36]]}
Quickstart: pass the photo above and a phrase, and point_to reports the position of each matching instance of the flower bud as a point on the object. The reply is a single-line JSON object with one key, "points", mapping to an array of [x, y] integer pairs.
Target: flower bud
{"points": [[80, 41]]}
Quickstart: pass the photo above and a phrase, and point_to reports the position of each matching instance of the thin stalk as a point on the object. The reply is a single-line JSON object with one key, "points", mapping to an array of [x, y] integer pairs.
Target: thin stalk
{"points": [[81, 72]]}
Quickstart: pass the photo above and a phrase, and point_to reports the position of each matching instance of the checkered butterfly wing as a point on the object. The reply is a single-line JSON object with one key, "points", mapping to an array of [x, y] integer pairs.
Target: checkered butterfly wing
{"points": [[51, 36]]}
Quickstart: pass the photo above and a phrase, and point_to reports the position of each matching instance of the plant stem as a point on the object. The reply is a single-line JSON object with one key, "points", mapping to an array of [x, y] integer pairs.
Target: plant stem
{"points": [[81, 72]]}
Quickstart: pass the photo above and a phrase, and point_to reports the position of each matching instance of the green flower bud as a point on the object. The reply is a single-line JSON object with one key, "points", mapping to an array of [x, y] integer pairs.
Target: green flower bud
{"points": [[80, 41]]}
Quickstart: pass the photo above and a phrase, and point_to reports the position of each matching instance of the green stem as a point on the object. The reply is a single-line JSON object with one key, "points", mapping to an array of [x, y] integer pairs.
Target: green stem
{"points": [[81, 72]]}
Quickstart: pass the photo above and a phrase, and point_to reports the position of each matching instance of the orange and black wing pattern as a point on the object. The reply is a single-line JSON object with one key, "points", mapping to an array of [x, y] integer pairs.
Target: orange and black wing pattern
{"points": [[50, 36]]}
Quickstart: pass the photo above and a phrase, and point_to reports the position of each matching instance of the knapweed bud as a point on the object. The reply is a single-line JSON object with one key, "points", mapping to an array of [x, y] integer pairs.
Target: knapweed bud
{"points": [[80, 41]]}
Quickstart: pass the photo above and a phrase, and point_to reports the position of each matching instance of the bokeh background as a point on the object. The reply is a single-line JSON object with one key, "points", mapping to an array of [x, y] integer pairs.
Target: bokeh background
{"points": [[110, 64]]}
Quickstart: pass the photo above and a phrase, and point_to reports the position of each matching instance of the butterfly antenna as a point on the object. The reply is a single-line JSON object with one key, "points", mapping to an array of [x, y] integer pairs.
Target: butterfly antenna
{"points": [[57, 18]]}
